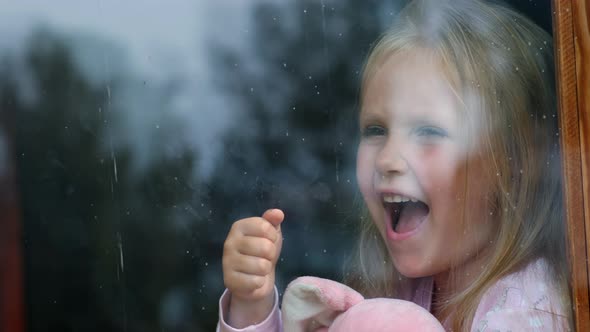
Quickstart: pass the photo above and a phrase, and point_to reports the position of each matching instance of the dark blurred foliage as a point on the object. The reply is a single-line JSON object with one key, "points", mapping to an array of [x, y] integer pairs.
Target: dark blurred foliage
{"points": [[100, 250], [110, 249]]}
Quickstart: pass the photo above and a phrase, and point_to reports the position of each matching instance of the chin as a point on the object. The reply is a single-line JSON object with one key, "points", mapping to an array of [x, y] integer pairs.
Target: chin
{"points": [[412, 270]]}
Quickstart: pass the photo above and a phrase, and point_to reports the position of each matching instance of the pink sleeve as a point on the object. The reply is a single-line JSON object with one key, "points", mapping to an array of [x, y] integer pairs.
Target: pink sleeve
{"points": [[272, 323], [521, 320], [524, 301]]}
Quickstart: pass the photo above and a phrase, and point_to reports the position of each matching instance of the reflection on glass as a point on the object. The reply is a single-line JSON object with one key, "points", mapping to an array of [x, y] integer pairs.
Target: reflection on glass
{"points": [[143, 133]]}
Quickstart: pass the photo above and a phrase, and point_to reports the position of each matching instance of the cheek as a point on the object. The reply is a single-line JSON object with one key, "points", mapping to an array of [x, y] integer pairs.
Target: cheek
{"points": [[440, 170]]}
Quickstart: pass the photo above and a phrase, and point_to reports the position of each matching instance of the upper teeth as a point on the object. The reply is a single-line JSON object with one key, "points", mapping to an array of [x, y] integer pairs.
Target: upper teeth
{"points": [[397, 199]]}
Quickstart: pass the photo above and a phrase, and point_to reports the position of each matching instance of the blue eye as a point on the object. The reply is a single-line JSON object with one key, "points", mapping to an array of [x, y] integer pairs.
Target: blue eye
{"points": [[371, 131], [431, 132]]}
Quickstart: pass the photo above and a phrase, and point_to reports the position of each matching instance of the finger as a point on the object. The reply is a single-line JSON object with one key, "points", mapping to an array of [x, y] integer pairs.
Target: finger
{"points": [[239, 282], [274, 216], [257, 227], [257, 247], [253, 266]]}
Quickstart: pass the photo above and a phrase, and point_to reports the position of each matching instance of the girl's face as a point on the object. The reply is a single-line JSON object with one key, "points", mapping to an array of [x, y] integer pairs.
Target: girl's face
{"points": [[412, 170]]}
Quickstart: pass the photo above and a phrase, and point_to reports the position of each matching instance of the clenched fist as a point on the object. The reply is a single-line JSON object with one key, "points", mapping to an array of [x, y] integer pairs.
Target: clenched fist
{"points": [[250, 253]]}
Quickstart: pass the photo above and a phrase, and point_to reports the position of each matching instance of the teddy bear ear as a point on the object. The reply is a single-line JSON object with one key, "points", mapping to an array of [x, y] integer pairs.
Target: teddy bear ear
{"points": [[386, 315], [312, 303]]}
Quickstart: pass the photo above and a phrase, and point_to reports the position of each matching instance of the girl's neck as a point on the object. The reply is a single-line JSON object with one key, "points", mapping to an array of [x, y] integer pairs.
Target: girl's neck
{"points": [[454, 281]]}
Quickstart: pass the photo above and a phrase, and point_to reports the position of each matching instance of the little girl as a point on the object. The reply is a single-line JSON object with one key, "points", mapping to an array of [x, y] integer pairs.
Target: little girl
{"points": [[459, 172]]}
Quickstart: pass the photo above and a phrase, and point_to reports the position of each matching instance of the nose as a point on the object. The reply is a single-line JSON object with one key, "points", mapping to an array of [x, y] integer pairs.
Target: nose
{"points": [[390, 159]]}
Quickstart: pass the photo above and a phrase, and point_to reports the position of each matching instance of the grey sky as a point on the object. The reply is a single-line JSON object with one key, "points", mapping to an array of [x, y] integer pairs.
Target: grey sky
{"points": [[160, 39]]}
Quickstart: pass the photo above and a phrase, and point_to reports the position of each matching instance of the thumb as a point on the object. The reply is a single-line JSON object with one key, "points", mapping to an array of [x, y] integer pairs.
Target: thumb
{"points": [[275, 217]]}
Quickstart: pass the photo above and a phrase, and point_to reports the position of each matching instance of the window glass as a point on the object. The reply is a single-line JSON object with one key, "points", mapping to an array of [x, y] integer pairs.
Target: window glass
{"points": [[144, 129]]}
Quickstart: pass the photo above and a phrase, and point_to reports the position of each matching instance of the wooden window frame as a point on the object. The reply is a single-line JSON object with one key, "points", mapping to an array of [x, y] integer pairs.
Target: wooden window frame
{"points": [[572, 49], [572, 46]]}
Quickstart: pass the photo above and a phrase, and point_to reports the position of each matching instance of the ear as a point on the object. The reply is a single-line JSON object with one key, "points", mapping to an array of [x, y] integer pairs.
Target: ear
{"points": [[386, 315], [311, 303]]}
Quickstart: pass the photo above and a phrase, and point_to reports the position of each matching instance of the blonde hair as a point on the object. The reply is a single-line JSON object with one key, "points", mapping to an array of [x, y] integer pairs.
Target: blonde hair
{"points": [[503, 59]]}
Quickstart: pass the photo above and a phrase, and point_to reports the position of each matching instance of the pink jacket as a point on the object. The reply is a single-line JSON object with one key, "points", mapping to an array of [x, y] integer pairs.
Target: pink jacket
{"points": [[523, 301]]}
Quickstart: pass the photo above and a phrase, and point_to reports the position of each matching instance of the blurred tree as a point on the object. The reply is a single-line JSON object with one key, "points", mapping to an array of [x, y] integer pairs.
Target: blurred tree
{"points": [[103, 247]]}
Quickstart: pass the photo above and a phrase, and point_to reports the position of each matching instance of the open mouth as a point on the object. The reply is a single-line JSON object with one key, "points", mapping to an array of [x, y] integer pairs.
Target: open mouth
{"points": [[406, 214]]}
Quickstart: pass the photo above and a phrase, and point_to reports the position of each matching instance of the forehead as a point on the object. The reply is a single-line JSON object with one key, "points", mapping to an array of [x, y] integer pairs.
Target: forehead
{"points": [[410, 84]]}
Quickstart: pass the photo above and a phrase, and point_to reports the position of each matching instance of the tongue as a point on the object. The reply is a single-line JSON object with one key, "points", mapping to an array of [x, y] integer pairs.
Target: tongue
{"points": [[411, 216]]}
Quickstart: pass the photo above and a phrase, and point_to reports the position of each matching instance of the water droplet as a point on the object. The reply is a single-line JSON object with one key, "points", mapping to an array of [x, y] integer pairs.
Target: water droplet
{"points": [[157, 126], [305, 11], [324, 251], [521, 171], [284, 64], [251, 89], [206, 264], [529, 43]]}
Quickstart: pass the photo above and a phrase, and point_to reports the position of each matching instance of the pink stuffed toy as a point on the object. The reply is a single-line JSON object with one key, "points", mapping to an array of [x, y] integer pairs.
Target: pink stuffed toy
{"points": [[316, 304]]}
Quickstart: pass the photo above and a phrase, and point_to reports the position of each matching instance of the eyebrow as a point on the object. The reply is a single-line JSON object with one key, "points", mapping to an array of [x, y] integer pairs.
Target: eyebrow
{"points": [[370, 116]]}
